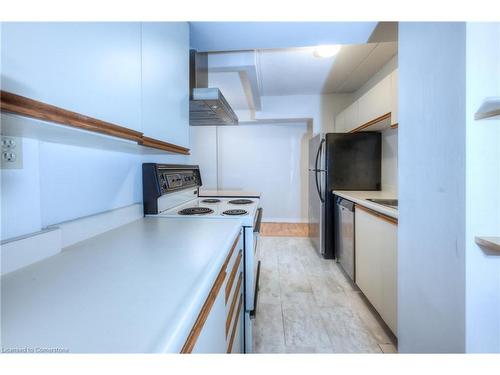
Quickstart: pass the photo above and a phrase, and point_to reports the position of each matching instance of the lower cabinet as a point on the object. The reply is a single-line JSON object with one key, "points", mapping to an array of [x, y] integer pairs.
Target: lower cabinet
{"points": [[219, 326], [376, 262], [211, 338]]}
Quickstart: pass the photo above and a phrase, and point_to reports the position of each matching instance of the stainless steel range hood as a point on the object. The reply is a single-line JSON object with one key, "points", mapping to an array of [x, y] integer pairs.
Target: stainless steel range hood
{"points": [[207, 106]]}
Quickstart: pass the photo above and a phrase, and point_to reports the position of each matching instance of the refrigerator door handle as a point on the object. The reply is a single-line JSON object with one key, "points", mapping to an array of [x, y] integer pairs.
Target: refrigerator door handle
{"points": [[317, 187], [317, 154], [316, 170]]}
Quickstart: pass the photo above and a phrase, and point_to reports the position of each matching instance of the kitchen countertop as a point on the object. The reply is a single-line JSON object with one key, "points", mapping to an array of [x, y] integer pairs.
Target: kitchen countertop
{"points": [[138, 288], [360, 197]]}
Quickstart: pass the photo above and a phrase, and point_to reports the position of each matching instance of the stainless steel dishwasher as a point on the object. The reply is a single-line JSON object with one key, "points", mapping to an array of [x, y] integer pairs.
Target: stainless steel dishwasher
{"points": [[344, 235]]}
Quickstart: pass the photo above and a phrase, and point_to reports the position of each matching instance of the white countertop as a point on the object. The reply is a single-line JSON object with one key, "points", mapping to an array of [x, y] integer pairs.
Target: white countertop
{"points": [[137, 288], [360, 197]]}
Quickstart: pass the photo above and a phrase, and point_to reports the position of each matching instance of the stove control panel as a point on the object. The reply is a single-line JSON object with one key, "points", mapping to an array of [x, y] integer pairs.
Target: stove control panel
{"points": [[173, 180], [161, 179]]}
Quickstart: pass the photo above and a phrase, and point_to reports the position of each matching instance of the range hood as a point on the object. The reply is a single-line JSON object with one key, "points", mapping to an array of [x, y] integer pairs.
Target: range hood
{"points": [[207, 106]]}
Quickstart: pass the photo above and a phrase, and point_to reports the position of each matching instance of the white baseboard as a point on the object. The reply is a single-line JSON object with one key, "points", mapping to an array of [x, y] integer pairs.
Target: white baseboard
{"points": [[22, 251], [83, 228]]}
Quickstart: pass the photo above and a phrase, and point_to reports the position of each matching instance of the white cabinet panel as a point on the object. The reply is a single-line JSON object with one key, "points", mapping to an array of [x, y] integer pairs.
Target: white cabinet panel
{"points": [[388, 257], [90, 68], [351, 116], [368, 265], [340, 122], [376, 102], [394, 97], [212, 338], [376, 264], [165, 81]]}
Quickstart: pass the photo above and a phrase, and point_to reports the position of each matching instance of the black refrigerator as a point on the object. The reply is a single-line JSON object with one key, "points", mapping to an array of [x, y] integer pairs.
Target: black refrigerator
{"points": [[339, 161]]}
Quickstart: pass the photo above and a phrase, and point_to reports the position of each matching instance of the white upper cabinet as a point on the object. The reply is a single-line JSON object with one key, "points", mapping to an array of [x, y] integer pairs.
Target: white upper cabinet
{"points": [[340, 122], [394, 97], [376, 102], [165, 81], [90, 68], [351, 116]]}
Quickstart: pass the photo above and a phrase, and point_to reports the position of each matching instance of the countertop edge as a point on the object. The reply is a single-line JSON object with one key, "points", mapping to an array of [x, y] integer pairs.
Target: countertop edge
{"points": [[174, 341], [366, 203]]}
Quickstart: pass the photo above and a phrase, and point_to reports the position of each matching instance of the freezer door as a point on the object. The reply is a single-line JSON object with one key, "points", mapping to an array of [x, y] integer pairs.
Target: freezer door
{"points": [[353, 161]]}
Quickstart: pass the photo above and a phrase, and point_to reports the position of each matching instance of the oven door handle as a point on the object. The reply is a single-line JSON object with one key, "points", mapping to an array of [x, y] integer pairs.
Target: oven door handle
{"points": [[258, 221], [253, 313]]}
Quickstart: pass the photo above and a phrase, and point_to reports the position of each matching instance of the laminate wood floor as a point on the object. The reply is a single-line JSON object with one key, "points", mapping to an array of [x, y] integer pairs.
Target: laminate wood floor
{"points": [[307, 305]]}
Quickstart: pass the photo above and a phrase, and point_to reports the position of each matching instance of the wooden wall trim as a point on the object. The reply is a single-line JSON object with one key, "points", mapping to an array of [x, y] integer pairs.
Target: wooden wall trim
{"points": [[395, 126], [389, 219], [371, 122], [230, 281], [285, 229], [161, 145], [23, 106], [203, 315], [229, 317], [235, 326]]}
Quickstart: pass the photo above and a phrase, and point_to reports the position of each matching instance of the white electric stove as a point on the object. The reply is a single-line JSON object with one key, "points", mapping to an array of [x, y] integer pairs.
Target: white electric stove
{"points": [[173, 191]]}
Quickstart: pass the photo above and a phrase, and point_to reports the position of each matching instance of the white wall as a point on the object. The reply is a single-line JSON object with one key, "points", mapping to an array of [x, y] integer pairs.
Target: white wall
{"points": [[204, 153], [61, 182], [268, 158], [321, 109], [483, 189], [274, 154], [20, 194], [431, 239]]}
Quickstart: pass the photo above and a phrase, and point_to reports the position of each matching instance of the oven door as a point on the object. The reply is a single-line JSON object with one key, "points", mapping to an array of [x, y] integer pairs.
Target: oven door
{"points": [[252, 264]]}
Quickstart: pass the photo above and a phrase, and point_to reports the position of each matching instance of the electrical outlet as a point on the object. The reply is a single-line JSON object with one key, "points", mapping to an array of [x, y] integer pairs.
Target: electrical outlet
{"points": [[12, 153]]}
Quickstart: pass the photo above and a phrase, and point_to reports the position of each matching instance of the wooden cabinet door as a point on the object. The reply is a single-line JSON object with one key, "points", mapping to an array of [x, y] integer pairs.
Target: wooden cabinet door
{"points": [[165, 81], [376, 102], [394, 97], [93, 68]]}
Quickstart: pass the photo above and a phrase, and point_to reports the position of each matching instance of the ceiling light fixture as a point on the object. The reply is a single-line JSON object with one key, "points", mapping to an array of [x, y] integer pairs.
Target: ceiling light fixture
{"points": [[326, 51]]}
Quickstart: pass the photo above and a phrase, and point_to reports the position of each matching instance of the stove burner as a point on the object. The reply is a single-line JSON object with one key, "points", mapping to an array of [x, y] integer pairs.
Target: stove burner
{"points": [[211, 200], [240, 201], [235, 212], [196, 211]]}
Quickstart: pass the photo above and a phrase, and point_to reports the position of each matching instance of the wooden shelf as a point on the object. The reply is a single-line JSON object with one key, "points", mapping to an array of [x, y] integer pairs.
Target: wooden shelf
{"points": [[490, 109], [91, 130], [489, 243]]}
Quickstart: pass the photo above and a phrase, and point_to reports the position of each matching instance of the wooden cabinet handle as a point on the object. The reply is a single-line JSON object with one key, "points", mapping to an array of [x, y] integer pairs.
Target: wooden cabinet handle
{"points": [[233, 303], [232, 276]]}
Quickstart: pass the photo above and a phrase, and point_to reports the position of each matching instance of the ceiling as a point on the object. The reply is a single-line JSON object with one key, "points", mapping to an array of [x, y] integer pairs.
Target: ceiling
{"points": [[296, 71], [237, 36]]}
